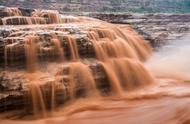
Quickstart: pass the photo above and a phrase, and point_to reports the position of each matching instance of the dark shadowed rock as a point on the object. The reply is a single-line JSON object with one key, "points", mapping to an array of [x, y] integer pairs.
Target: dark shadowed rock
{"points": [[26, 12]]}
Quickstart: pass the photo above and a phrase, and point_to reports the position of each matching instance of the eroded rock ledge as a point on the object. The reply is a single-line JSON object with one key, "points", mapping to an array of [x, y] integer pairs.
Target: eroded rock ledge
{"points": [[51, 58], [157, 28]]}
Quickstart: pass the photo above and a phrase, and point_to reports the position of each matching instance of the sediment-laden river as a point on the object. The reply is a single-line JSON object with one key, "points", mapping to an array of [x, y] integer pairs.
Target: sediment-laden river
{"points": [[59, 69]]}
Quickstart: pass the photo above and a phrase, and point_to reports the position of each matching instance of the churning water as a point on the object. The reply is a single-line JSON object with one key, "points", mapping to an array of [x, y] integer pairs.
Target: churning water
{"points": [[172, 60], [82, 70]]}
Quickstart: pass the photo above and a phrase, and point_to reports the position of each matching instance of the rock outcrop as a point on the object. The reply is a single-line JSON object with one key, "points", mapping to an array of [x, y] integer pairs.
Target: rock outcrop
{"points": [[141, 6], [156, 28], [48, 58], [15, 92]]}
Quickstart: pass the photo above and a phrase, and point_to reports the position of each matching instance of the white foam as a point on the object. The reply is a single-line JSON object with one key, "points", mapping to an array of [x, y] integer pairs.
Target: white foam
{"points": [[172, 60]]}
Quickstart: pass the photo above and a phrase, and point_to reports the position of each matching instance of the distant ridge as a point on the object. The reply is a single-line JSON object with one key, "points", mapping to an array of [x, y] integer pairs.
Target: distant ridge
{"points": [[147, 6]]}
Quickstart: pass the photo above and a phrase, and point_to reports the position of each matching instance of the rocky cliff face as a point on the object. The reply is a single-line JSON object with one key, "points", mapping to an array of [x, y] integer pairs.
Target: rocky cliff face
{"points": [[179, 6]]}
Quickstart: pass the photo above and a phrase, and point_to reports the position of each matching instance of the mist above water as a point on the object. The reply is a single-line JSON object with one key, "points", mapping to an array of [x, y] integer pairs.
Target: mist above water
{"points": [[172, 60]]}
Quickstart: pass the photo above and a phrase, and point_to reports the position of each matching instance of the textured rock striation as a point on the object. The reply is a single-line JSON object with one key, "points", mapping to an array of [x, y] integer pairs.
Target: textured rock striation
{"points": [[156, 28], [141, 6], [48, 59]]}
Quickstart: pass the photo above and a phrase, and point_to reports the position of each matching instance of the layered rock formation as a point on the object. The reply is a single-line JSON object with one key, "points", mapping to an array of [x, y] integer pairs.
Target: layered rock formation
{"points": [[156, 28], [179, 6], [48, 59]]}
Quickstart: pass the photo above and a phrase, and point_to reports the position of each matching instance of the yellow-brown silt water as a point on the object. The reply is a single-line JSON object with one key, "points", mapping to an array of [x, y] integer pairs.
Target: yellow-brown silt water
{"points": [[82, 70]]}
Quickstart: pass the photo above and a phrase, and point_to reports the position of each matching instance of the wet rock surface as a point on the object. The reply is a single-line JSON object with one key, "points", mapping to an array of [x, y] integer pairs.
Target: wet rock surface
{"points": [[14, 88], [13, 85], [43, 62], [156, 28], [12, 91], [24, 16], [6, 13]]}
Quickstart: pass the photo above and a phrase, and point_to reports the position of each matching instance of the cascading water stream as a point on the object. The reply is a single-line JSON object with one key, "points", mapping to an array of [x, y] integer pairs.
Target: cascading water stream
{"points": [[58, 69], [77, 53]]}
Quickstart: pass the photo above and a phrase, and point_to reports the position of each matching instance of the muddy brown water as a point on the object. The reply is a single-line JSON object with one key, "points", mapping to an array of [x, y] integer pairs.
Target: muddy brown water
{"points": [[138, 95]]}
